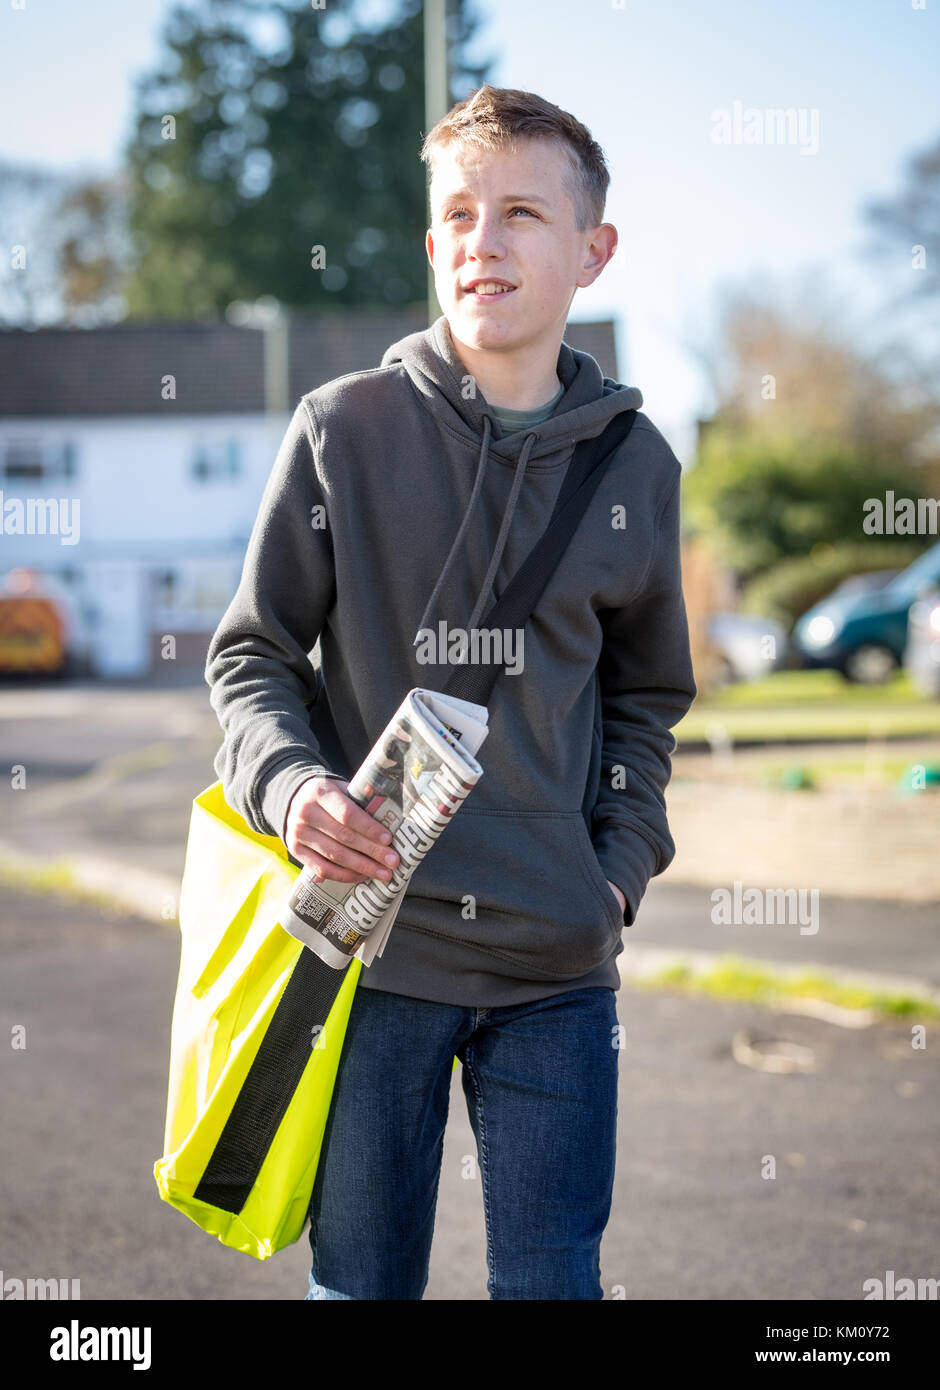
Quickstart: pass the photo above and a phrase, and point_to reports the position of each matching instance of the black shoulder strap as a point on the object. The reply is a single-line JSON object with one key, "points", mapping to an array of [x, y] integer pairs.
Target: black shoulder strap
{"points": [[512, 608]]}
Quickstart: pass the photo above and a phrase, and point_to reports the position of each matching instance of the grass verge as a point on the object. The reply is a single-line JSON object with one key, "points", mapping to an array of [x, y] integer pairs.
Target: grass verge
{"points": [[733, 977], [810, 704], [57, 877]]}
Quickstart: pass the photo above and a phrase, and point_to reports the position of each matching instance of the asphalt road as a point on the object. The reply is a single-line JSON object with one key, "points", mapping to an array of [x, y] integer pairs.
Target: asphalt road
{"points": [[856, 1192]]}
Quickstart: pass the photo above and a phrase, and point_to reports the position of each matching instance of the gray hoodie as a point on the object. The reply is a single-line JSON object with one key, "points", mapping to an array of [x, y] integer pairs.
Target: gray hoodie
{"points": [[395, 505]]}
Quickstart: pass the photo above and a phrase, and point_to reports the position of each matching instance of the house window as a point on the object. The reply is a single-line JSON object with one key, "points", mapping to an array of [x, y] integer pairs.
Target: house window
{"points": [[192, 597], [23, 459], [217, 462], [36, 460], [165, 586]]}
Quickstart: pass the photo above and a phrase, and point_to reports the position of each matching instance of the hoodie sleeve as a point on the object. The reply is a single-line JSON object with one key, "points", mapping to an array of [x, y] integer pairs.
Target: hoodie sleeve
{"points": [[261, 677], [647, 685]]}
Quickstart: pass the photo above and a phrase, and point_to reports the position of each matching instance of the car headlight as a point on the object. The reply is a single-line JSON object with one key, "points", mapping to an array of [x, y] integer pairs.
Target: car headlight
{"points": [[819, 631]]}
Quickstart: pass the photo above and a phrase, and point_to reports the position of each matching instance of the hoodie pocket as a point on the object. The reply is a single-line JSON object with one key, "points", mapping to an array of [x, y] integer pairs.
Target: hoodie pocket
{"points": [[596, 872], [524, 887]]}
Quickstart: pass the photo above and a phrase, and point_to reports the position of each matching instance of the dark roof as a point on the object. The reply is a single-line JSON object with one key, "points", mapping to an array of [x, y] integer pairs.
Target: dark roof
{"points": [[217, 366]]}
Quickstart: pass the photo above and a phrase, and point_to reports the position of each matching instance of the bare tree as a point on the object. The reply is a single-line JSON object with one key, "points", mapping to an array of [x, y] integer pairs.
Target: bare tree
{"points": [[906, 242], [63, 248], [907, 227], [786, 365]]}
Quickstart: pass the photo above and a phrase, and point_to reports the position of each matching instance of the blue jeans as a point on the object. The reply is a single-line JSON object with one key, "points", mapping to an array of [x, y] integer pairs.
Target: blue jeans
{"points": [[540, 1080]]}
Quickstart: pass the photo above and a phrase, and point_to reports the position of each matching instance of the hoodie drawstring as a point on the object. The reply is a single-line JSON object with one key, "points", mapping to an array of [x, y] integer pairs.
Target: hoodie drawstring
{"points": [[501, 539], [483, 595]]}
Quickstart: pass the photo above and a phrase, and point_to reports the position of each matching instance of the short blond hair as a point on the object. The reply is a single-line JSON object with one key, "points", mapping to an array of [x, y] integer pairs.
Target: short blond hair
{"points": [[493, 117]]}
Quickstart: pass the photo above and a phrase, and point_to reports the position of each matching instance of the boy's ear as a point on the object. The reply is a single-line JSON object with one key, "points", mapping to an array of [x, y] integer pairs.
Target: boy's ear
{"points": [[601, 247]]}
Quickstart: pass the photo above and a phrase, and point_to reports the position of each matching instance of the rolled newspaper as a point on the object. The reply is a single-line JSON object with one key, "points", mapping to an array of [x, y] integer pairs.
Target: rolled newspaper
{"points": [[414, 780]]}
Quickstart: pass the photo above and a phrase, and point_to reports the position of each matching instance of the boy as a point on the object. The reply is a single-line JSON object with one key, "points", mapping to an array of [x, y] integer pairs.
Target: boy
{"points": [[437, 473]]}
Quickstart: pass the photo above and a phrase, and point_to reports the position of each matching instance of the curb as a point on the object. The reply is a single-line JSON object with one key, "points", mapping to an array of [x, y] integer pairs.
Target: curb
{"points": [[700, 744]]}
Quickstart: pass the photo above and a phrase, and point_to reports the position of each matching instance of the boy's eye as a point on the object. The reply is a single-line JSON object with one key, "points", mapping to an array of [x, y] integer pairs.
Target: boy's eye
{"points": [[520, 208]]}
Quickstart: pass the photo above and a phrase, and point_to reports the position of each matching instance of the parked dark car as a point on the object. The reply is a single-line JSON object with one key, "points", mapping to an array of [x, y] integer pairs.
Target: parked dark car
{"points": [[864, 583], [922, 653], [863, 634]]}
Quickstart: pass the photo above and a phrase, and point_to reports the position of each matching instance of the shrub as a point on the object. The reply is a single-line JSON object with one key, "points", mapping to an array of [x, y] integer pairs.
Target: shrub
{"points": [[791, 587]]}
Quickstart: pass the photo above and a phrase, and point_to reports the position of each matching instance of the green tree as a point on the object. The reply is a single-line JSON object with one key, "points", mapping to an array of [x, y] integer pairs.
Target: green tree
{"points": [[276, 152], [806, 430], [764, 503]]}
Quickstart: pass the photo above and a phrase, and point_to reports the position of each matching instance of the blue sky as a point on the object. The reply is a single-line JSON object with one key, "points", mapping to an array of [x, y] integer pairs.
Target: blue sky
{"points": [[646, 77]]}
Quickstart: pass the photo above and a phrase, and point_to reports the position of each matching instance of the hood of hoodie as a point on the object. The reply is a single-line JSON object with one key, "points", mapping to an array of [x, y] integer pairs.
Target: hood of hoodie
{"points": [[440, 378]]}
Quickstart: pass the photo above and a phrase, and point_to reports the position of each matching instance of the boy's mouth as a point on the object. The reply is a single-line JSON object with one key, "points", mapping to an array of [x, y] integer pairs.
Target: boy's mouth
{"points": [[488, 290]]}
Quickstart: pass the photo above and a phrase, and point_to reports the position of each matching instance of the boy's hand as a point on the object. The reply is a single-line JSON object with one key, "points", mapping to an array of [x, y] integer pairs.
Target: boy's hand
{"points": [[618, 895], [327, 832]]}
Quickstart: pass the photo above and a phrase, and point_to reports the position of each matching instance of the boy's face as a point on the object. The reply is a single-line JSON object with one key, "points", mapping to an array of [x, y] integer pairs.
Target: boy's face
{"points": [[507, 216]]}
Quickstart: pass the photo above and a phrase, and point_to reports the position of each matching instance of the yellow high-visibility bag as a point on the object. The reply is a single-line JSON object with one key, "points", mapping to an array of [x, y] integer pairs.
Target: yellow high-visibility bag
{"points": [[258, 1027]]}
